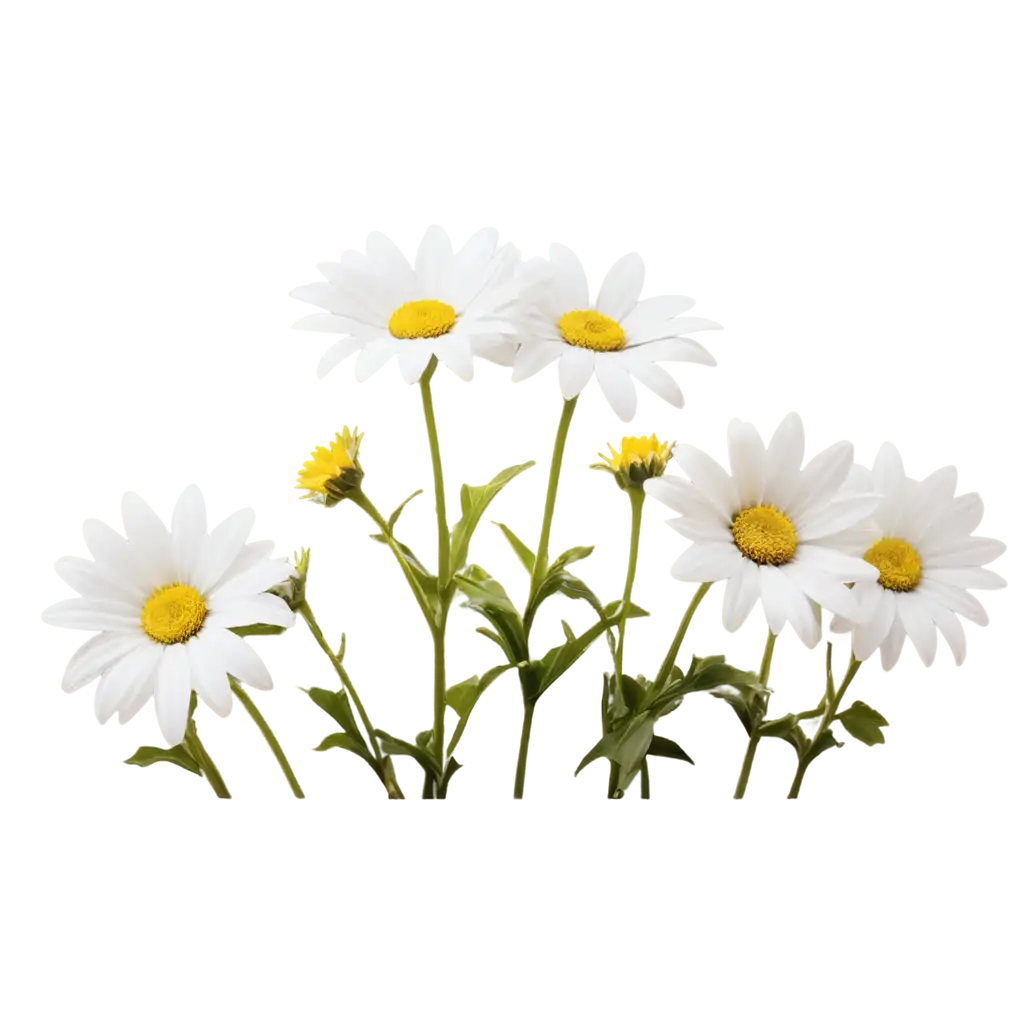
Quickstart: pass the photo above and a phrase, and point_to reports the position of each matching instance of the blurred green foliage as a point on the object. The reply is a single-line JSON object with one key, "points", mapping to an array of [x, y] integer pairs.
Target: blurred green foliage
{"points": [[950, 739]]}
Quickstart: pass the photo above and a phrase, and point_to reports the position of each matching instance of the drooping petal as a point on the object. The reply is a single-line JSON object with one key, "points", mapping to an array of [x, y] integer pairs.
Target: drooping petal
{"points": [[616, 385], [533, 357], [173, 691], [951, 629], [412, 360], [97, 655], [337, 353], [575, 369], [892, 645], [741, 594], [878, 610], [456, 352], [239, 659], [913, 613], [955, 599], [657, 379], [824, 589], [119, 682], [208, 673], [373, 356]]}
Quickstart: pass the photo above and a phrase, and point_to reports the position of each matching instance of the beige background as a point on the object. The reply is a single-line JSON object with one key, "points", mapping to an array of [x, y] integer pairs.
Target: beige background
{"points": [[162, 175]]}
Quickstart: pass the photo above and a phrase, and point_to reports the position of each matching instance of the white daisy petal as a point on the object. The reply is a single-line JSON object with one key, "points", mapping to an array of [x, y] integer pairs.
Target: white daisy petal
{"points": [[223, 547], [119, 682], [326, 323], [834, 517], [456, 352], [971, 551], [654, 330], [87, 578], [208, 674], [575, 369], [173, 691], [621, 287], [337, 353], [657, 309], [683, 497], [914, 616], [878, 610], [413, 359], [97, 655], [435, 266], [252, 554], [951, 629], [383, 252], [892, 645], [188, 532], [709, 478], [675, 350], [824, 589], [783, 459], [113, 555], [239, 659], [741, 593], [888, 469], [571, 277], [700, 530], [970, 577], [747, 459], [707, 563], [138, 697], [845, 568], [930, 495], [960, 517], [617, 386], [257, 580], [657, 379], [373, 356], [92, 613], [249, 611], [149, 538], [821, 478], [955, 599], [532, 358], [775, 597], [797, 606]]}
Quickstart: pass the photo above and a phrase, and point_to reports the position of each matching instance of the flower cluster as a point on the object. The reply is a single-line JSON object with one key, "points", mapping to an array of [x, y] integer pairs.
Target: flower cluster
{"points": [[889, 557]]}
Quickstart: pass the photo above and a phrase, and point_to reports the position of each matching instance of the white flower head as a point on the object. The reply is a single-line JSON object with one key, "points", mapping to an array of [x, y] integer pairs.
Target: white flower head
{"points": [[616, 337], [165, 602], [452, 305], [921, 542], [774, 531]]}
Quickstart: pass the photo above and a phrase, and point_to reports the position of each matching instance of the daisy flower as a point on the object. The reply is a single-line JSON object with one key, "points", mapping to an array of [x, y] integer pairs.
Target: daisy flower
{"points": [[921, 543], [452, 305], [615, 337], [333, 472], [640, 459], [165, 603], [775, 532]]}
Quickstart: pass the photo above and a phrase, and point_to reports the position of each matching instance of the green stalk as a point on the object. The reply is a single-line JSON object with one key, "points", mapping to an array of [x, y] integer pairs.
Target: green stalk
{"points": [[645, 781], [307, 613], [757, 719], [443, 561], [359, 499], [831, 709], [636, 501], [677, 640], [268, 735], [194, 744], [540, 567], [524, 747]]}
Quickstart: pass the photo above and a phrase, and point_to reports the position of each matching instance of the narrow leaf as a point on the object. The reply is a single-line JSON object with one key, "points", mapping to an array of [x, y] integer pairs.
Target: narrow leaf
{"points": [[393, 745], [662, 747], [474, 503], [523, 553], [393, 518], [146, 756]]}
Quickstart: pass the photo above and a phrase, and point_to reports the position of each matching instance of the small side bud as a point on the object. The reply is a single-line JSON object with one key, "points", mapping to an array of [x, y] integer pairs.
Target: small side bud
{"points": [[641, 459], [333, 473], [293, 590]]}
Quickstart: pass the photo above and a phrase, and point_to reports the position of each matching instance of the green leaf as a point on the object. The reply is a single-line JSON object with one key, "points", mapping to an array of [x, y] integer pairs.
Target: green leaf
{"points": [[338, 707], [449, 770], [425, 738], [474, 503], [393, 518], [633, 693], [572, 555], [560, 659], [257, 629], [611, 611], [578, 590], [423, 576], [523, 553], [491, 635], [509, 626], [602, 748], [662, 747], [863, 723], [146, 756], [463, 696], [826, 741], [636, 740], [343, 741], [778, 726], [395, 746]]}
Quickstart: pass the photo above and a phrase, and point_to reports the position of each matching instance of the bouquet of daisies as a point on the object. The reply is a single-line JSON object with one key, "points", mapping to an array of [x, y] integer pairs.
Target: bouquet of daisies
{"points": [[886, 556]]}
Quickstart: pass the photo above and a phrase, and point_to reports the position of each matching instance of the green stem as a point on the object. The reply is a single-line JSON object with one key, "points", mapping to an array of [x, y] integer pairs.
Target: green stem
{"points": [[677, 640], [756, 719], [307, 613], [195, 747], [439, 691], [443, 538], [540, 565], [268, 735], [831, 709], [359, 499], [443, 560], [645, 781], [636, 500], [524, 747]]}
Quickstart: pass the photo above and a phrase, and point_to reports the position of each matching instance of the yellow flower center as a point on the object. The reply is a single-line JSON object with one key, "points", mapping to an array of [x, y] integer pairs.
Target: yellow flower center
{"points": [[639, 451], [898, 564], [765, 535], [173, 614], [424, 318], [326, 464], [590, 329]]}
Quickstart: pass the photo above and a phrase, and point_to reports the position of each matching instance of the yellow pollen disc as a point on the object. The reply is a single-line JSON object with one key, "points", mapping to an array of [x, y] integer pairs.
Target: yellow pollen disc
{"points": [[590, 329], [425, 318], [898, 564], [327, 464], [173, 613], [765, 535]]}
